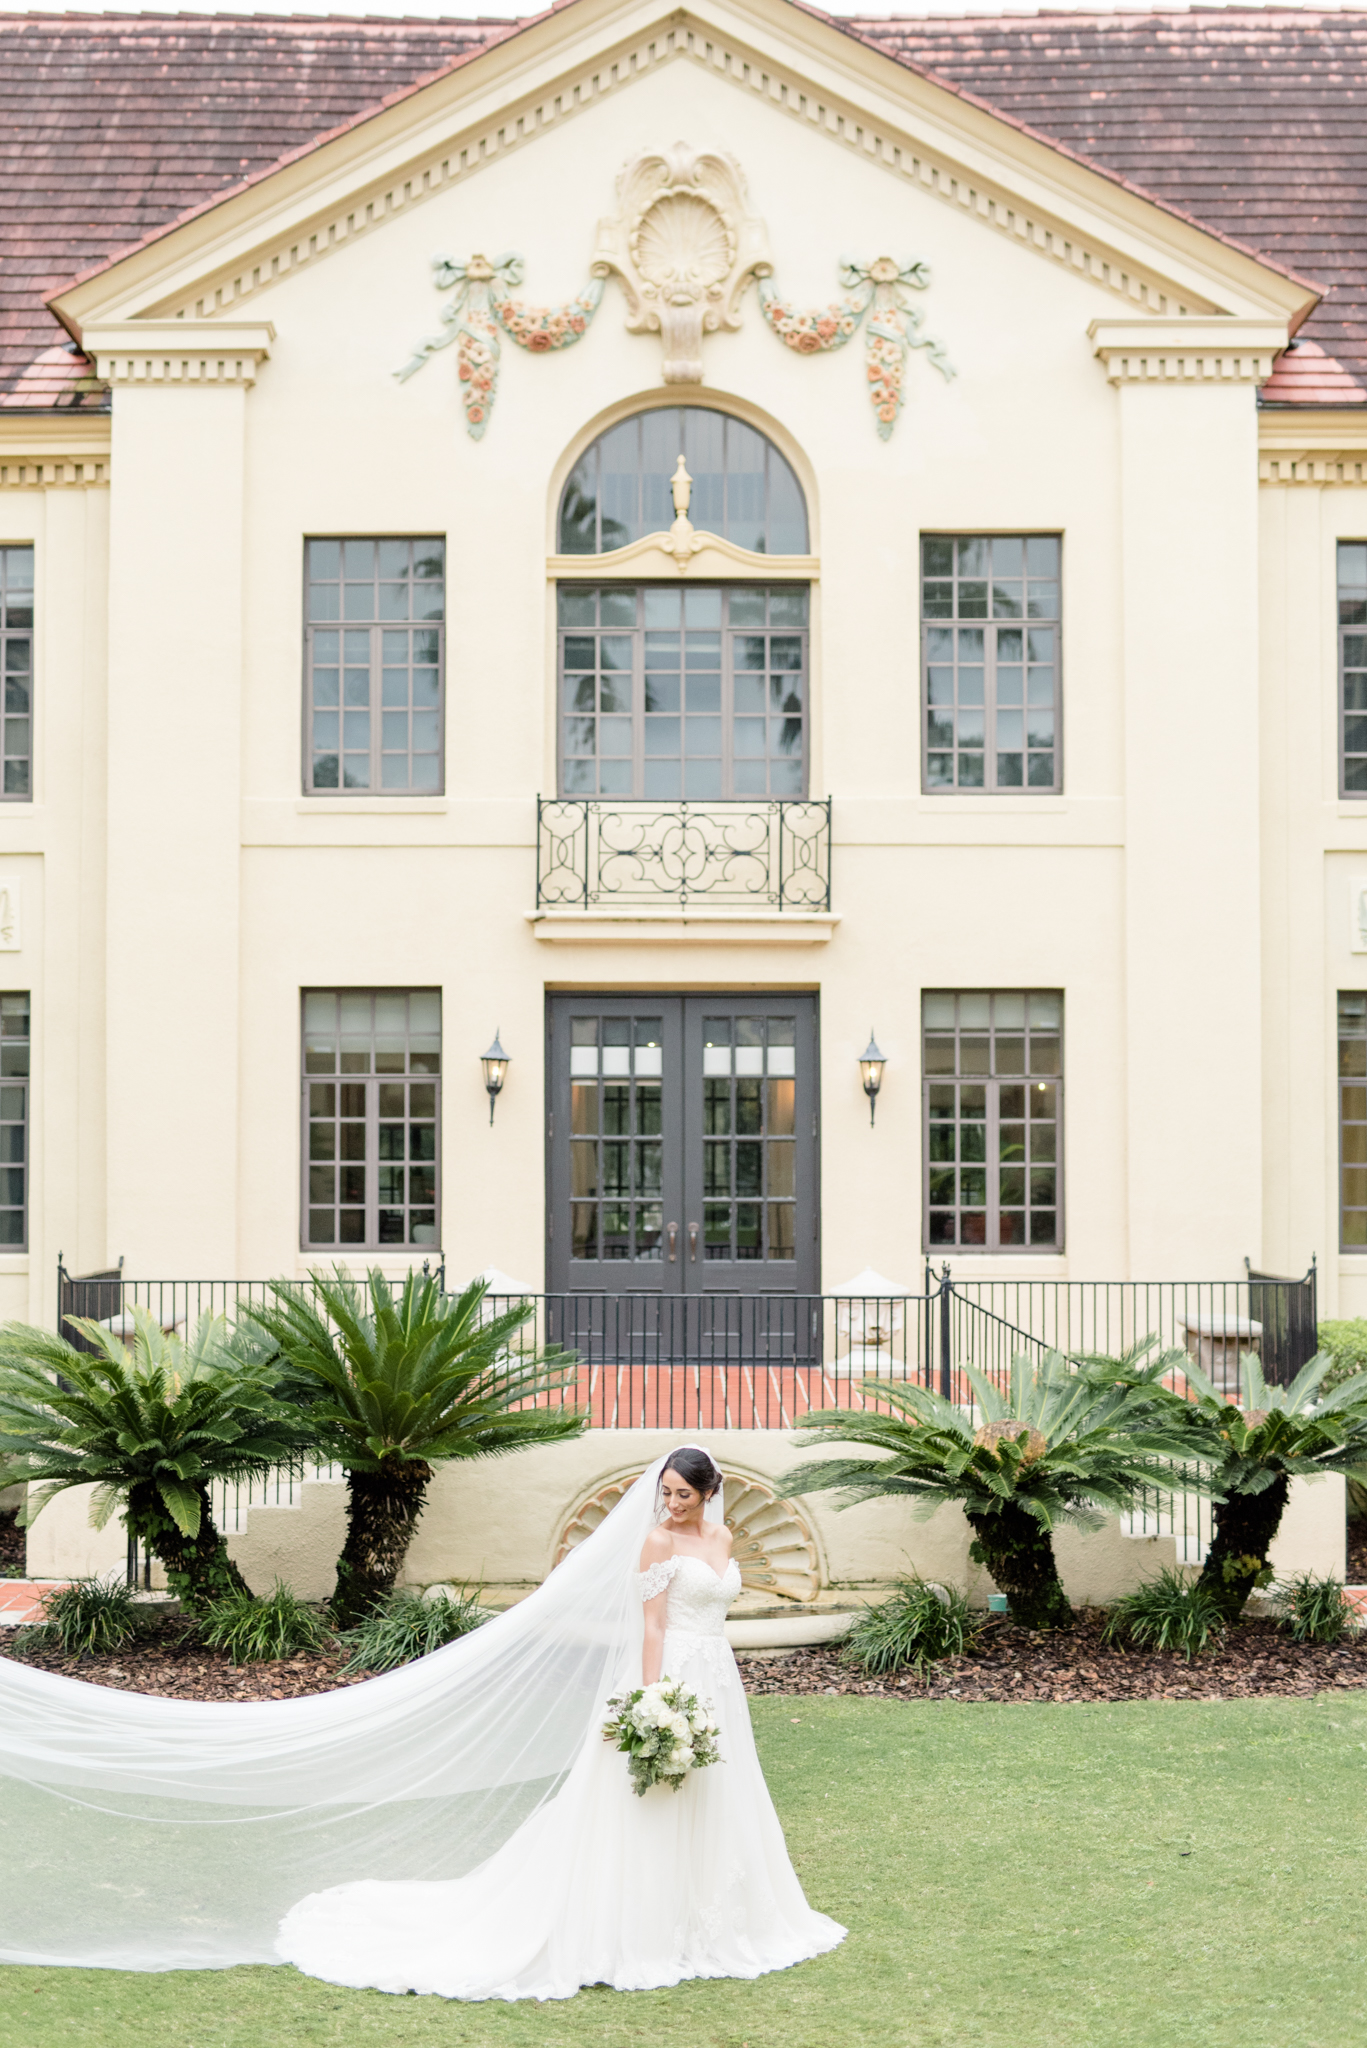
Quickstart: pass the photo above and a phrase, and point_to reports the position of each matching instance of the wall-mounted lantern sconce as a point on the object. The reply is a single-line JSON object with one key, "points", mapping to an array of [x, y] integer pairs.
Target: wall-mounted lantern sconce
{"points": [[495, 1065], [871, 1071]]}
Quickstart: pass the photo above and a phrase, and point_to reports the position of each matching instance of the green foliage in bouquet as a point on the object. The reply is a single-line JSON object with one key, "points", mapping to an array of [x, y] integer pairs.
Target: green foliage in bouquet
{"points": [[664, 1732]]}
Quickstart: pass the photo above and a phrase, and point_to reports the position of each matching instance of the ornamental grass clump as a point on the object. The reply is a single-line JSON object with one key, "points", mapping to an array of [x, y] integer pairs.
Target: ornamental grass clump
{"points": [[919, 1626], [1169, 1612], [1313, 1610], [89, 1618], [1064, 1444], [412, 1624], [262, 1630]]}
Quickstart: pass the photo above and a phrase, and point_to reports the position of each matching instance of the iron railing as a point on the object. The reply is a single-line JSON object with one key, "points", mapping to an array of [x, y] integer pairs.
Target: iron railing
{"points": [[763, 1361], [763, 853]]}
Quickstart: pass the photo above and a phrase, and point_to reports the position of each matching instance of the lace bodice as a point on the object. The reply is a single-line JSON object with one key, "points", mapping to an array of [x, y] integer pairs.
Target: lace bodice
{"points": [[698, 1599]]}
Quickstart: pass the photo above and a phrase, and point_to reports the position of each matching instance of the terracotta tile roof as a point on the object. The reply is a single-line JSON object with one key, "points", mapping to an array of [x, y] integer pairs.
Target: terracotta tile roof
{"points": [[1253, 120], [1250, 120], [1305, 375], [112, 125]]}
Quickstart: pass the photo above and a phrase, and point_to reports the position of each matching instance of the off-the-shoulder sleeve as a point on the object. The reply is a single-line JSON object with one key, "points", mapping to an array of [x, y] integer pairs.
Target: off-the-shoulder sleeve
{"points": [[657, 1577]]}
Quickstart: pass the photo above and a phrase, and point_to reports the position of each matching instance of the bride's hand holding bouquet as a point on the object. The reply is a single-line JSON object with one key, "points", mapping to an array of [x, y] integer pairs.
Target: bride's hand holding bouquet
{"points": [[664, 1732]]}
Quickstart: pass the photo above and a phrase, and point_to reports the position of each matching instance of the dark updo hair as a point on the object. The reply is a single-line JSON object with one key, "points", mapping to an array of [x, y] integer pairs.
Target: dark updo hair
{"points": [[696, 1469]]}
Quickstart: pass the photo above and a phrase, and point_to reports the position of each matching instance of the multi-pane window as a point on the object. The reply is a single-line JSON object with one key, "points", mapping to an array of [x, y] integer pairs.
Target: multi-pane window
{"points": [[743, 489], [990, 660], [695, 692], [374, 666], [616, 1137], [16, 668], [1352, 1121], [1352, 594], [993, 1097], [372, 1095], [14, 1066], [749, 1152]]}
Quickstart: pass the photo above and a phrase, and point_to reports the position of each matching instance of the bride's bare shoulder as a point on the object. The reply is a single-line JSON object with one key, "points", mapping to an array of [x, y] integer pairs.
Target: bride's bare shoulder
{"points": [[659, 1544]]}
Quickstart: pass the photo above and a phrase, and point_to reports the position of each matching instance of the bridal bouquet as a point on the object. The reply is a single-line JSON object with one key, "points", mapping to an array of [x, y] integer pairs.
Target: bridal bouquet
{"points": [[665, 1733]]}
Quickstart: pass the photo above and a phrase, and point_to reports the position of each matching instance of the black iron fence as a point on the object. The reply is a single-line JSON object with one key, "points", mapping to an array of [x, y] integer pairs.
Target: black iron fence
{"points": [[762, 853], [763, 1361], [760, 1361]]}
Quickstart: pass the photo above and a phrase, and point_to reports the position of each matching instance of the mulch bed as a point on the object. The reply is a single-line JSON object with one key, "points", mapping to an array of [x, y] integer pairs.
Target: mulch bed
{"points": [[1256, 1662], [171, 1662]]}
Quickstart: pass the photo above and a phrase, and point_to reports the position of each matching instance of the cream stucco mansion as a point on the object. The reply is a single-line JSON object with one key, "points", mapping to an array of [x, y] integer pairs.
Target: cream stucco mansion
{"points": [[680, 539]]}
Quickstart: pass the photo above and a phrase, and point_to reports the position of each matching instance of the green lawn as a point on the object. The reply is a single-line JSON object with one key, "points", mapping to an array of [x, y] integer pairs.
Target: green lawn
{"points": [[1013, 1877]]}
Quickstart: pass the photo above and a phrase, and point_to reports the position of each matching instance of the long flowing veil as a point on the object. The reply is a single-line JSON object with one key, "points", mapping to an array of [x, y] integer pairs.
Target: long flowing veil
{"points": [[152, 1834]]}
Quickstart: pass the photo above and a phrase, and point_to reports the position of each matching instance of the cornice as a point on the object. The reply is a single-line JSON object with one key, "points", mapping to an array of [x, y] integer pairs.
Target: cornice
{"points": [[46, 452], [188, 353], [1222, 350], [1326, 445], [916, 130]]}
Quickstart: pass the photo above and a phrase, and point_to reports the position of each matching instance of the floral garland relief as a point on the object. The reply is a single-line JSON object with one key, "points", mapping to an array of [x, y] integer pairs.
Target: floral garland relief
{"points": [[472, 320], [877, 290]]}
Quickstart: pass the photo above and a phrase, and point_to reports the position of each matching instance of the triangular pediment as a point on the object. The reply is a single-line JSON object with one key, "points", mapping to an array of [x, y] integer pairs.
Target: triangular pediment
{"points": [[220, 262]]}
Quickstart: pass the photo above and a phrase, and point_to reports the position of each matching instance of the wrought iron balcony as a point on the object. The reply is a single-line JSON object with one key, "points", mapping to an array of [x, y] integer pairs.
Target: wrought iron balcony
{"points": [[767, 853]]}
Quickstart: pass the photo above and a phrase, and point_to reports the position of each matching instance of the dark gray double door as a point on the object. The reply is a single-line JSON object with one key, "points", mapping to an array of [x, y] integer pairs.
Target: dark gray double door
{"points": [[682, 1143]]}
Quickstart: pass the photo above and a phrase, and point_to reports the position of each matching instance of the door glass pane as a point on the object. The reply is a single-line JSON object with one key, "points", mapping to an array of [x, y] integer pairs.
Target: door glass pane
{"points": [[617, 1081], [748, 1151]]}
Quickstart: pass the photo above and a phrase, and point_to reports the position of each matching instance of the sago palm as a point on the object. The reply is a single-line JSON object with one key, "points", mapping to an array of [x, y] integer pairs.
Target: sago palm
{"points": [[1252, 1453], [393, 1386], [151, 1426], [1063, 1445]]}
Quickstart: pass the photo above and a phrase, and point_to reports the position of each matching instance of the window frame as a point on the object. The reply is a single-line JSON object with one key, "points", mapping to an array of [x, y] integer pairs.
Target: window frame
{"points": [[25, 1121], [699, 511], [638, 714], [1343, 1081], [992, 1082], [375, 626], [9, 636], [372, 1081], [991, 627], [1357, 629]]}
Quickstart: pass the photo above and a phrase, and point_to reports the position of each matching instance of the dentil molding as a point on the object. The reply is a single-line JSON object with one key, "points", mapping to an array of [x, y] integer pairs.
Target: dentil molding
{"points": [[183, 352], [1184, 351]]}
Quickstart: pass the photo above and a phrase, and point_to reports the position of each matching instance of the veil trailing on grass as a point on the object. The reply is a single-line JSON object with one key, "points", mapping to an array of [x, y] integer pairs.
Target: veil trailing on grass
{"points": [[158, 1834]]}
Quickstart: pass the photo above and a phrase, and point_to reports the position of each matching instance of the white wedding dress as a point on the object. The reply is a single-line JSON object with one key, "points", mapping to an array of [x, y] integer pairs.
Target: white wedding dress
{"points": [[458, 1825], [600, 1886]]}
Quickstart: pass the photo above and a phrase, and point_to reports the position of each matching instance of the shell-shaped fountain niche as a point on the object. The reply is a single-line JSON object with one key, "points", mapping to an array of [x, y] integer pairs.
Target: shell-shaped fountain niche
{"points": [[773, 1545]]}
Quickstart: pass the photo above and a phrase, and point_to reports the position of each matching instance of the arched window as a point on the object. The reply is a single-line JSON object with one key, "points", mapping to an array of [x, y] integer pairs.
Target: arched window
{"points": [[743, 489]]}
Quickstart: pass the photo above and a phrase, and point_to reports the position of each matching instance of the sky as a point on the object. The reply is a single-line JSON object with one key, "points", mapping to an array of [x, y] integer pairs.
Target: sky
{"points": [[505, 9]]}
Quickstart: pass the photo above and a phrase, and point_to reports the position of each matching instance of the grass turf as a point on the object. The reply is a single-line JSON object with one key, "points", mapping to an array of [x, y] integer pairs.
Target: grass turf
{"points": [[1137, 1876]]}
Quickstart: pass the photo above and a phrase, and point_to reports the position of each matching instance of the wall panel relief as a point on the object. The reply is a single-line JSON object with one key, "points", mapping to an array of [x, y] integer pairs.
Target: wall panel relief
{"points": [[773, 1545], [685, 248]]}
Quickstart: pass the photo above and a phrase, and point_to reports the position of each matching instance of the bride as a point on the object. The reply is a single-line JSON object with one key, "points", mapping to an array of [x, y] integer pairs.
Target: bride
{"points": [[600, 1886], [458, 1826]]}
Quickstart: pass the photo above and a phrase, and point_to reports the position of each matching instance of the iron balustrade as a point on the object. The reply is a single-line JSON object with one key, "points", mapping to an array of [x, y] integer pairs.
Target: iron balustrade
{"points": [[771, 853], [763, 1361]]}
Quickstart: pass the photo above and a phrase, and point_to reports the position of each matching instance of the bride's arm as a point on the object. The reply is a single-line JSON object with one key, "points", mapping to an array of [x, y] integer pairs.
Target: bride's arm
{"points": [[657, 1549]]}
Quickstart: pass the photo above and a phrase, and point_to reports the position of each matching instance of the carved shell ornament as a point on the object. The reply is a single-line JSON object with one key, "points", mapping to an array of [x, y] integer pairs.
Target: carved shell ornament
{"points": [[684, 247], [772, 1544]]}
